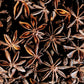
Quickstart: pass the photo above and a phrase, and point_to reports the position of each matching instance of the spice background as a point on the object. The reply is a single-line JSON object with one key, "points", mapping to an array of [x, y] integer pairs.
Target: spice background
{"points": [[41, 41]]}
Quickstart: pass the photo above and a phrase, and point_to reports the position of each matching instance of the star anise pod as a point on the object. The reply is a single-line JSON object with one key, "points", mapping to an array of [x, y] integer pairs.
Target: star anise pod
{"points": [[53, 68], [14, 43], [25, 5], [74, 49], [35, 55], [78, 18], [53, 38], [12, 63], [42, 10], [33, 31]]}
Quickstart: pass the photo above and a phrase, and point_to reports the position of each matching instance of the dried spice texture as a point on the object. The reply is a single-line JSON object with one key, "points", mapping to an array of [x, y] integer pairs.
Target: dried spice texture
{"points": [[41, 41]]}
